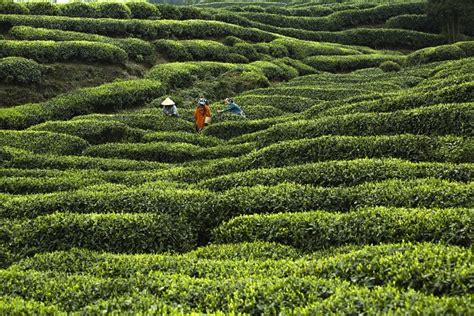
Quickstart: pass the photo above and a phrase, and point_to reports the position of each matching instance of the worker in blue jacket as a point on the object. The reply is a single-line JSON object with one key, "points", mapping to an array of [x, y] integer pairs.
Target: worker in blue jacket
{"points": [[232, 107]]}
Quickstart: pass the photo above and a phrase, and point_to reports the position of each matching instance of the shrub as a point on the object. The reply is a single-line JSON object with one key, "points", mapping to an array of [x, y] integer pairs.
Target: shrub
{"points": [[15, 158], [95, 132], [432, 54], [135, 48], [112, 10], [166, 152], [411, 147], [105, 98], [467, 47], [143, 10], [20, 70], [7, 7], [390, 66], [43, 8], [284, 102], [79, 9], [169, 12], [317, 230], [416, 22], [44, 142], [335, 173], [443, 119], [49, 51], [182, 137], [349, 63], [246, 50]]}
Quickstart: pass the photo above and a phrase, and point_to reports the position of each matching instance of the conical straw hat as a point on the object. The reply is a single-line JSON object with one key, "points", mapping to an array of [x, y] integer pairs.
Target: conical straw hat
{"points": [[167, 101]]}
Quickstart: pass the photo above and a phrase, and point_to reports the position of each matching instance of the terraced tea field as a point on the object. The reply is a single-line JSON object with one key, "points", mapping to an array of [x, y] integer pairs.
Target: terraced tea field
{"points": [[347, 188]]}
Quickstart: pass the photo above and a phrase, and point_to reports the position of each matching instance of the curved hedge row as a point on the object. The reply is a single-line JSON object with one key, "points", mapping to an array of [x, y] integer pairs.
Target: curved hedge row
{"points": [[317, 230], [351, 62], [135, 48], [50, 51], [229, 129], [14, 158], [141, 28], [188, 50], [288, 103], [338, 20], [410, 147], [443, 119], [347, 173], [104, 98], [20, 70], [416, 22], [43, 142], [93, 131], [129, 233], [441, 53], [155, 122], [166, 152], [182, 137]]}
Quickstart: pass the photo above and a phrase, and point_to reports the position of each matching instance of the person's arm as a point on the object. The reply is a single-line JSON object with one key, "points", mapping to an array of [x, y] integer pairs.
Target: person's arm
{"points": [[208, 111]]}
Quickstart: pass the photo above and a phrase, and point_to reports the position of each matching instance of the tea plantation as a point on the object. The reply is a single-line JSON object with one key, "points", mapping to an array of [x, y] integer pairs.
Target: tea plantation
{"points": [[347, 188]]}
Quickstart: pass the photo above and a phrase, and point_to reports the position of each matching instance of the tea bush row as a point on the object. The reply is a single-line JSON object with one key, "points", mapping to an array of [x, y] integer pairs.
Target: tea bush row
{"points": [[15, 158], [20, 70], [442, 119], [316, 230], [135, 48], [50, 51], [43, 142], [104, 98], [347, 173]]}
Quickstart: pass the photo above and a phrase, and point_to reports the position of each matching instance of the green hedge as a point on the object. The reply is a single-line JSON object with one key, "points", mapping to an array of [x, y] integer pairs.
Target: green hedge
{"points": [[410, 147], [13, 158], [146, 29], [135, 48], [443, 119], [129, 233], [44, 142], [416, 22], [7, 7], [93, 131], [288, 103], [338, 20], [334, 173], [49, 51], [192, 50], [155, 122], [182, 137], [43, 8], [350, 63], [317, 230], [20, 70], [32, 185], [105, 98], [230, 129], [166, 152], [143, 10], [433, 54]]}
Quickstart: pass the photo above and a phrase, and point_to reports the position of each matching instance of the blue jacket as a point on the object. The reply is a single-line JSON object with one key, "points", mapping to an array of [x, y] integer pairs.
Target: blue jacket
{"points": [[172, 111], [233, 108]]}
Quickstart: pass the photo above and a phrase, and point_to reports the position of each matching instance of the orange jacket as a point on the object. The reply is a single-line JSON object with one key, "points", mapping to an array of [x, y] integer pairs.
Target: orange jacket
{"points": [[200, 115]]}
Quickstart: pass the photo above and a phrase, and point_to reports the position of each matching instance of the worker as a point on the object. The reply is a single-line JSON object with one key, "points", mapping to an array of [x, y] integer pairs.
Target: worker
{"points": [[169, 108], [202, 114], [232, 107]]}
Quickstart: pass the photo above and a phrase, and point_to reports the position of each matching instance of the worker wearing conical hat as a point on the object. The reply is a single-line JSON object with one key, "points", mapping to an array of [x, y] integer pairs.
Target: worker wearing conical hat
{"points": [[169, 108]]}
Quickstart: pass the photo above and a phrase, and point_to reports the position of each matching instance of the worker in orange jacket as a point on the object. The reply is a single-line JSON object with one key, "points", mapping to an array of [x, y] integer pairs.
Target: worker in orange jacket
{"points": [[202, 114]]}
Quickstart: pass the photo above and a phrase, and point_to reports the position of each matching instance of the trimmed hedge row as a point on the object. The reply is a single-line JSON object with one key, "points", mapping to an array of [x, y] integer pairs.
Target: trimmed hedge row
{"points": [[129, 233], [229, 129], [410, 147], [93, 131], [317, 230], [31, 185], [442, 119], [105, 98], [188, 50], [50, 51], [441, 53], [155, 122], [338, 20], [348, 173], [141, 28], [14, 158], [182, 137], [135, 48], [416, 22], [20, 70], [351, 62], [166, 152], [206, 210], [43, 142], [288, 103], [219, 262], [410, 99]]}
